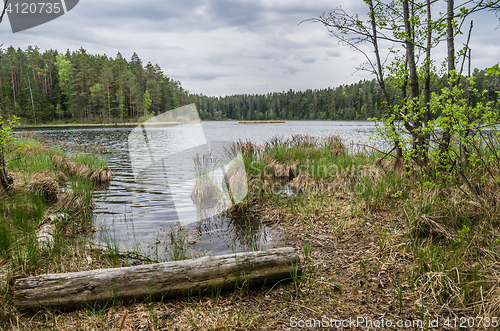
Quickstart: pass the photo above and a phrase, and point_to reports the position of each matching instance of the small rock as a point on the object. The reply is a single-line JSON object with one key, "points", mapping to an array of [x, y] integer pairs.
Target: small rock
{"points": [[46, 235]]}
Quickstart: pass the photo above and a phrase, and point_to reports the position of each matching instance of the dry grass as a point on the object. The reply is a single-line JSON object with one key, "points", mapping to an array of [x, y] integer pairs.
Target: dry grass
{"points": [[374, 242], [44, 185], [441, 230], [102, 176], [392, 163], [425, 227], [441, 292], [304, 183], [489, 306], [205, 194], [333, 144], [344, 273], [279, 170], [99, 175]]}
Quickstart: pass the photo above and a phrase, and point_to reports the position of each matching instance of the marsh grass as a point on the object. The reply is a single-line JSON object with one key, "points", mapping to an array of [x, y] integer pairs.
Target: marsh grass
{"points": [[375, 238], [90, 160], [179, 241], [33, 203], [113, 249], [447, 225]]}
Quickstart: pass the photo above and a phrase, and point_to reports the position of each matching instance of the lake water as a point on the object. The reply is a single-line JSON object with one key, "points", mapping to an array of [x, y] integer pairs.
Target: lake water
{"points": [[145, 214]]}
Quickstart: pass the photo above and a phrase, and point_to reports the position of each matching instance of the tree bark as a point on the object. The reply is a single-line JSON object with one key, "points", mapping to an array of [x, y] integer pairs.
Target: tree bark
{"points": [[194, 277], [446, 139], [419, 154], [450, 41], [380, 74], [410, 52], [427, 83], [6, 179]]}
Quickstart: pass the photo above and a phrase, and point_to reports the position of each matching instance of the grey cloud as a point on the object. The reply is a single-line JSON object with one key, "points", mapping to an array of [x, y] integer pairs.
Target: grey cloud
{"points": [[218, 47], [203, 76], [307, 60], [155, 10], [234, 13], [291, 69], [333, 53]]}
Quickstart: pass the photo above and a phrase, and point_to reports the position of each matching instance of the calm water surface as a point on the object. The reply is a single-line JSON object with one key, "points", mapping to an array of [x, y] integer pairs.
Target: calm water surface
{"points": [[141, 215]]}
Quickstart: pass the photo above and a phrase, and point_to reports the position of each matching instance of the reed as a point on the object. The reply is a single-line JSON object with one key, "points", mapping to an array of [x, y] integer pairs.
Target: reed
{"points": [[376, 237], [447, 221], [41, 170]]}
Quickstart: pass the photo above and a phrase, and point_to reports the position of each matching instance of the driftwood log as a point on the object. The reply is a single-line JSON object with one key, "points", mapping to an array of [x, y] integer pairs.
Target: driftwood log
{"points": [[201, 276]]}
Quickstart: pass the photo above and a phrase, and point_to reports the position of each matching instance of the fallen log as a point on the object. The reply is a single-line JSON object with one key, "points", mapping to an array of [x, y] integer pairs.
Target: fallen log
{"points": [[165, 280]]}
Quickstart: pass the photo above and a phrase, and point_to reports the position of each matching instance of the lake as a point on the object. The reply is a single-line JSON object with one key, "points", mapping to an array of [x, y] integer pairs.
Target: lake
{"points": [[146, 214]]}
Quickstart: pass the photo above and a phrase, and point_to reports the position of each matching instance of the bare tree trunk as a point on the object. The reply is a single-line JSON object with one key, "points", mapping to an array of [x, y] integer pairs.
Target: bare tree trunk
{"points": [[6, 179], [131, 108], [427, 83], [380, 74], [13, 87], [416, 127], [450, 37], [446, 139], [410, 52], [109, 105], [4, 9]]}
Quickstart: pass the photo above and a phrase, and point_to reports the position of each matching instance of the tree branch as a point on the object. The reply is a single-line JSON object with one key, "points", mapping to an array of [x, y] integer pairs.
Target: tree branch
{"points": [[4, 9], [465, 54]]}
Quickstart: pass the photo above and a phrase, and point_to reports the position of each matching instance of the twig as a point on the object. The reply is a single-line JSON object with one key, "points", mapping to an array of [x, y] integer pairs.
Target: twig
{"points": [[122, 321], [465, 55], [4, 9], [378, 150], [387, 154], [310, 309], [471, 189]]}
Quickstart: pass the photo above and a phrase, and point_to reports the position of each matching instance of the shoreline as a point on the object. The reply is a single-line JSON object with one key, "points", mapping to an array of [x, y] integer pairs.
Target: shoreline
{"points": [[84, 125], [127, 124], [261, 122]]}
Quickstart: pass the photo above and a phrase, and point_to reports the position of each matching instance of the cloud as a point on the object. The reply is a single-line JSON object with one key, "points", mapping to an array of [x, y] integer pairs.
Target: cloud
{"points": [[234, 13], [205, 76], [307, 60], [220, 47], [333, 53]]}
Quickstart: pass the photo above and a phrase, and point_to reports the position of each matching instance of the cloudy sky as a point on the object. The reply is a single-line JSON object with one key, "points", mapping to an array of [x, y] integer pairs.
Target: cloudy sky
{"points": [[223, 47]]}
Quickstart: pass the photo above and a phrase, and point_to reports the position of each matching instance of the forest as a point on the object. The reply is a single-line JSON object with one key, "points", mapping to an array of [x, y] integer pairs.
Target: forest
{"points": [[77, 87], [358, 101]]}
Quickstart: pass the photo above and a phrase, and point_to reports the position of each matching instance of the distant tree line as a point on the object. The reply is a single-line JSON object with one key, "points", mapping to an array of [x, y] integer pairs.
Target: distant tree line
{"points": [[77, 87], [358, 101], [84, 88]]}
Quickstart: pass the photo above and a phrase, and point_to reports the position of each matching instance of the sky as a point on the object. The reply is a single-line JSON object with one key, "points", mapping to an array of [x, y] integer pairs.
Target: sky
{"points": [[225, 47]]}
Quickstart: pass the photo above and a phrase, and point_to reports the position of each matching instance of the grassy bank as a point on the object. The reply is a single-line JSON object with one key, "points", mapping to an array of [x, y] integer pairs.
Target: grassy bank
{"points": [[423, 241], [378, 239], [47, 213]]}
